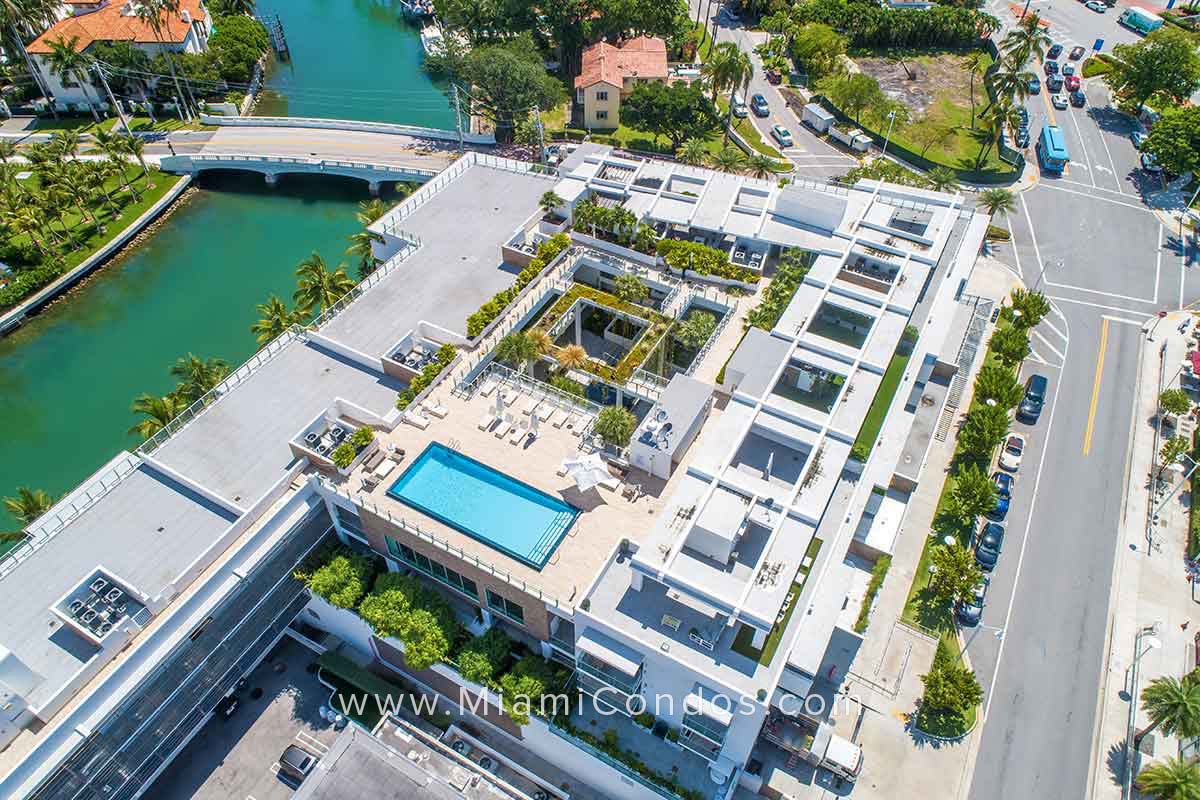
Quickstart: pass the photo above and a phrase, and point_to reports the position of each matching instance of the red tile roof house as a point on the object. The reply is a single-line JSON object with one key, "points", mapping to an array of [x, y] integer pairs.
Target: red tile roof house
{"points": [[610, 73], [112, 21]]}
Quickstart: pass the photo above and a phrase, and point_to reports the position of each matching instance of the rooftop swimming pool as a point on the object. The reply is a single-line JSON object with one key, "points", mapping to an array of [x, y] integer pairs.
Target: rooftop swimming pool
{"points": [[485, 504]]}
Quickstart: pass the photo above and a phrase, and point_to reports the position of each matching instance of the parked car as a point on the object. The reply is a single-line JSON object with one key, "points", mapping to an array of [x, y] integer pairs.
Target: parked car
{"points": [[1035, 397], [1150, 165], [738, 104], [1072, 83], [987, 549], [1051, 67], [781, 135], [1010, 456], [1054, 83], [1097, 6], [1054, 52], [758, 104], [1058, 100], [227, 706], [1138, 138], [296, 762], [1078, 99], [1077, 52], [1068, 68], [1000, 511], [970, 611], [1004, 484], [1035, 85], [1022, 137]]}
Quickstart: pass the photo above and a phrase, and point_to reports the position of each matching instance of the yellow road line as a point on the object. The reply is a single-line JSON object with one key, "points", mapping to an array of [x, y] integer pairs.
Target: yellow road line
{"points": [[1091, 421]]}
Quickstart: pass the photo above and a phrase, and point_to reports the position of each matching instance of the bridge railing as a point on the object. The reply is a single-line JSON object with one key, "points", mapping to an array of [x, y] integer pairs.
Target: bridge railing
{"points": [[416, 131], [222, 158]]}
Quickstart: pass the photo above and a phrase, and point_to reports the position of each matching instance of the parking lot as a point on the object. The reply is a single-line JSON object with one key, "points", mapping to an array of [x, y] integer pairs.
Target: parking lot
{"points": [[236, 758]]}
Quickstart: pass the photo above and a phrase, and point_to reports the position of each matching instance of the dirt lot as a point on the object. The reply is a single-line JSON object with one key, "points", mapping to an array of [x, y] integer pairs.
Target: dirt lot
{"points": [[934, 77]]}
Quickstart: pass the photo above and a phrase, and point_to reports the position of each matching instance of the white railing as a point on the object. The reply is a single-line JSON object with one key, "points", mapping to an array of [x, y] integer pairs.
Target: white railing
{"points": [[323, 163], [45, 527], [252, 365], [730, 312], [528, 385], [348, 125], [412, 243], [413, 528], [388, 223]]}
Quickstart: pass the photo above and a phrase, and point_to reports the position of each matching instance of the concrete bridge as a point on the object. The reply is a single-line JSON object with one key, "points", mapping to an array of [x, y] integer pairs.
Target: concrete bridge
{"points": [[271, 167]]}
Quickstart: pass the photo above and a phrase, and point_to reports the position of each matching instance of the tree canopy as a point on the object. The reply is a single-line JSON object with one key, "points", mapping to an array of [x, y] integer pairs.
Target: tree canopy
{"points": [[679, 111], [819, 48], [1166, 62], [1174, 140], [507, 81]]}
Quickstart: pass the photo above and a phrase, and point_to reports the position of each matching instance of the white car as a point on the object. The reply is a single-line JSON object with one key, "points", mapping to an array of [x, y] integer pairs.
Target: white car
{"points": [[781, 135], [1010, 456], [1058, 100], [1097, 6]]}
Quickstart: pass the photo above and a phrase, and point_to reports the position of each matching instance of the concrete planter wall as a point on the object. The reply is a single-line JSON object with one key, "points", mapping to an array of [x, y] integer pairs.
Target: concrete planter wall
{"points": [[627, 253], [713, 279]]}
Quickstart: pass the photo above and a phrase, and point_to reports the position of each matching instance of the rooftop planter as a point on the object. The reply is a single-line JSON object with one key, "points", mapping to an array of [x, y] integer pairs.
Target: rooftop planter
{"points": [[353, 450], [702, 260]]}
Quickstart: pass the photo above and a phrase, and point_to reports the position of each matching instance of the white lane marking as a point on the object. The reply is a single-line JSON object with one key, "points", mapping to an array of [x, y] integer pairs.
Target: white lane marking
{"points": [[1111, 163], [1036, 356], [1056, 188], [1182, 268], [1050, 325], [1095, 305], [1024, 541], [1158, 261], [310, 741], [1046, 342], [1083, 165], [1123, 320]]}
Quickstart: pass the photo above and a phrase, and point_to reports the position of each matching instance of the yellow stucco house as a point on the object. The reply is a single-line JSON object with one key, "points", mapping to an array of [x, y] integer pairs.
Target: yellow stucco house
{"points": [[610, 72]]}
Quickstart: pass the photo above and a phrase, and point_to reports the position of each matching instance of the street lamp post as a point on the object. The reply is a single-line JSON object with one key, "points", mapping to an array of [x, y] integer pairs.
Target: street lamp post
{"points": [[1150, 634], [888, 135]]}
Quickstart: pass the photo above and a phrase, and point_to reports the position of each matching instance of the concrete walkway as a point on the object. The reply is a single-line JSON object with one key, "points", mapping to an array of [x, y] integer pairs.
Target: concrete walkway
{"points": [[1151, 586]]}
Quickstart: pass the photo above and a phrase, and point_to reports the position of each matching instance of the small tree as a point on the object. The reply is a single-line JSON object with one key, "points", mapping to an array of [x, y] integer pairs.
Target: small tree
{"points": [[1170, 779], [518, 349], [485, 657], [342, 579], [1172, 450], [974, 492], [1175, 401], [1033, 306], [950, 688], [983, 429], [615, 425], [630, 288], [550, 202], [1173, 706], [998, 383], [1010, 345], [343, 455], [523, 687], [956, 575], [694, 331]]}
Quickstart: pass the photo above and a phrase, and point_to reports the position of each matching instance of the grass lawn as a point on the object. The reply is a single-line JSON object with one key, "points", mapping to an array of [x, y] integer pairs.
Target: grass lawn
{"points": [[940, 94], [747, 131], [743, 641], [91, 236], [87, 125], [873, 421]]}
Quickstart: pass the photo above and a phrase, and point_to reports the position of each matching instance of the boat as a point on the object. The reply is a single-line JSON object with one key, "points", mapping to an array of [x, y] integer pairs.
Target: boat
{"points": [[432, 40]]}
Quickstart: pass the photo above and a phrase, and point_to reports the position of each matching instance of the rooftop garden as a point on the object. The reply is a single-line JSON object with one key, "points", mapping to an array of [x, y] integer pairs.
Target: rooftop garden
{"points": [[700, 259], [403, 608], [743, 642], [658, 326], [547, 252], [873, 421]]}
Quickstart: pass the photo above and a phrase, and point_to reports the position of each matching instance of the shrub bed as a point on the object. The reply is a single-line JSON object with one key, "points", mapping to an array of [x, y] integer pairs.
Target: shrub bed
{"points": [[792, 268], [546, 253], [422, 382], [1193, 514], [610, 746], [702, 260], [1098, 64], [878, 573]]}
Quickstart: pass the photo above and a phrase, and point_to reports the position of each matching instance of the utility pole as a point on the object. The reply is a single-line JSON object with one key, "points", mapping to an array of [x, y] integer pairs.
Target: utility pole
{"points": [[458, 118], [111, 99]]}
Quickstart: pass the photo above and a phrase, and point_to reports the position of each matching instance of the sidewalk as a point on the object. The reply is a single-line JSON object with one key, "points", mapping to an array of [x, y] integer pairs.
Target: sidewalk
{"points": [[1149, 582]]}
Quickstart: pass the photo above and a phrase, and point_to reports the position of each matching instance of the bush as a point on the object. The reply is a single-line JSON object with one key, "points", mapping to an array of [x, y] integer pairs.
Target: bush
{"points": [[950, 688], [615, 425], [1194, 515], [996, 233], [565, 384], [878, 573], [445, 356], [547, 252], [702, 260], [237, 42], [342, 578], [362, 437], [1099, 64], [790, 274], [523, 687], [343, 455], [486, 656], [402, 607]]}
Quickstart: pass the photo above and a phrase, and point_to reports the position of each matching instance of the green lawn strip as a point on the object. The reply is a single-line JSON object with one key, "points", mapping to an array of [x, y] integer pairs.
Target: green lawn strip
{"points": [[352, 681], [743, 641], [873, 421], [136, 123], [878, 573], [748, 132]]}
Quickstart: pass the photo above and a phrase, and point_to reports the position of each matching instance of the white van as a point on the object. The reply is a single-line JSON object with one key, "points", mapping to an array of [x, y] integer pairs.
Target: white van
{"points": [[739, 105]]}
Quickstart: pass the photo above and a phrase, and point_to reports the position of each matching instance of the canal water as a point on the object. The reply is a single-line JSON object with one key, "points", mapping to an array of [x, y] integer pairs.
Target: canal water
{"points": [[68, 377], [351, 59]]}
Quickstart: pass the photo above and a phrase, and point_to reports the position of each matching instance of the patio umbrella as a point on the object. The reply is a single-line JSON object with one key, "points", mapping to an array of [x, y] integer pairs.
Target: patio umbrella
{"points": [[500, 401], [587, 472]]}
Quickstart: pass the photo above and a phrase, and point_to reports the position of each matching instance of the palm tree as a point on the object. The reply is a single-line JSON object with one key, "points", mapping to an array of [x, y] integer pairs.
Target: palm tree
{"points": [[541, 341], [761, 166], [112, 146], [693, 151], [550, 202], [1173, 706], [197, 376], [1170, 779], [158, 412], [23, 19], [153, 13], [729, 160], [943, 179], [572, 357], [28, 505], [66, 142], [136, 147], [70, 64], [1000, 116], [517, 348], [1028, 39], [976, 62], [318, 287], [998, 201], [370, 210], [8, 149], [736, 72], [1009, 83], [94, 176], [362, 247], [275, 318]]}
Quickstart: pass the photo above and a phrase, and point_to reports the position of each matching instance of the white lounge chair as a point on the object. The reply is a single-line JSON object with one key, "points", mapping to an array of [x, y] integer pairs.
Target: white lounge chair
{"points": [[488, 420], [385, 469], [531, 406], [510, 397], [503, 428], [435, 408], [545, 410], [518, 435], [417, 420], [489, 386], [558, 417]]}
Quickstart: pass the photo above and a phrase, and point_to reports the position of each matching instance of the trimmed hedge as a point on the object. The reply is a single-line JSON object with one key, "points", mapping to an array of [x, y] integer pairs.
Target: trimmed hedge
{"points": [[998, 233], [702, 260], [1193, 549], [546, 253], [878, 573], [1099, 64], [794, 265]]}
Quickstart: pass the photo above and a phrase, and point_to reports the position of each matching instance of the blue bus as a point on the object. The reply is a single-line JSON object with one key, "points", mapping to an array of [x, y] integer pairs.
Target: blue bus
{"points": [[1052, 150]]}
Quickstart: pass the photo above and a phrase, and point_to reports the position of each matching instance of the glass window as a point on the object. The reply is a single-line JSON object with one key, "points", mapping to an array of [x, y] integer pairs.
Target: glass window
{"points": [[601, 115], [439, 572], [349, 521], [506, 607], [601, 95]]}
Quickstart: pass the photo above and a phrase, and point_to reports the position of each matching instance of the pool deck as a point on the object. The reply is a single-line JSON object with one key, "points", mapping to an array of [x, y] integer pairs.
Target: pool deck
{"points": [[606, 516]]}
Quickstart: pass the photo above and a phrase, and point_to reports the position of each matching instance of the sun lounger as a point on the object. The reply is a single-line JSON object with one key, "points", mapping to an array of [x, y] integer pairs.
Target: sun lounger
{"points": [[518, 435], [487, 421], [503, 428], [510, 397], [558, 417], [384, 469], [374, 460], [545, 410], [417, 420], [531, 405], [435, 408], [489, 386]]}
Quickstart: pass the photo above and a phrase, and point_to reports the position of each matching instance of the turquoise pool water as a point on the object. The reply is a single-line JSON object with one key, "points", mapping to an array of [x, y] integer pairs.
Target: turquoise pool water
{"points": [[487, 505]]}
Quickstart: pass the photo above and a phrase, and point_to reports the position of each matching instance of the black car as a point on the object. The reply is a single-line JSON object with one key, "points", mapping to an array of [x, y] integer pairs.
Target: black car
{"points": [[1035, 397], [1078, 99], [971, 611], [1055, 51], [987, 549], [1022, 137]]}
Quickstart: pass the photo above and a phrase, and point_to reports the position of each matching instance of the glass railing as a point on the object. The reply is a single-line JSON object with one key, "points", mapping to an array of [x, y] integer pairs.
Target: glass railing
{"points": [[702, 726], [612, 677], [619, 766]]}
